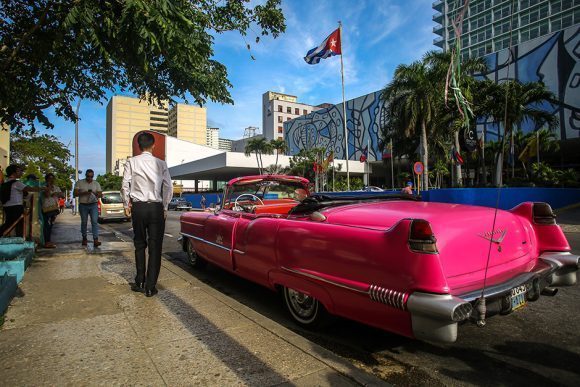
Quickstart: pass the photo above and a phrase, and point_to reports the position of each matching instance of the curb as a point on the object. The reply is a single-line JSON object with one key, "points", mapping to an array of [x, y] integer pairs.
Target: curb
{"points": [[323, 355]]}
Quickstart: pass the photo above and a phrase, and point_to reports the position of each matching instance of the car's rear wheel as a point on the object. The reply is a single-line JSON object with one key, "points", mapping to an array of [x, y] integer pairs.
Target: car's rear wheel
{"points": [[194, 259], [304, 309]]}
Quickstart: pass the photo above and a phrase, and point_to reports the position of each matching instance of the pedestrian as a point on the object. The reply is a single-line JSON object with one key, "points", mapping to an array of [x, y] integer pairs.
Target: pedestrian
{"points": [[146, 192], [61, 204], [12, 195], [50, 196], [88, 192], [202, 202], [408, 189]]}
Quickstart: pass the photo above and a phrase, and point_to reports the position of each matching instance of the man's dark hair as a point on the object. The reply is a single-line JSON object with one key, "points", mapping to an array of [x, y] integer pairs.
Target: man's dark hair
{"points": [[89, 171], [11, 169], [145, 140]]}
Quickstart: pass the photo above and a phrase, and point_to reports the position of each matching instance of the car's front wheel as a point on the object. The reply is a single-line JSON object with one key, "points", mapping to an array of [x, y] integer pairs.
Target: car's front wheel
{"points": [[194, 259], [304, 309]]}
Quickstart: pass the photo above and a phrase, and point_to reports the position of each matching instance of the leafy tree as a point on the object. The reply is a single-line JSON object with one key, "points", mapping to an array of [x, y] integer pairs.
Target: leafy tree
{"points": [[356, 183], [53, 52], [110, 182], [41, 154]]}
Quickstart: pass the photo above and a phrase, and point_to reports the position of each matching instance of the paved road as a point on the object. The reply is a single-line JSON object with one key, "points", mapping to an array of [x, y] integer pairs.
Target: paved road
{"points": [[539, 345]]}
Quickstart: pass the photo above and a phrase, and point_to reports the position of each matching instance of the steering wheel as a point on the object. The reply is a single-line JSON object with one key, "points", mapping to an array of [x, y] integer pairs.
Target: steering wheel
{"points": [[237, 206]]}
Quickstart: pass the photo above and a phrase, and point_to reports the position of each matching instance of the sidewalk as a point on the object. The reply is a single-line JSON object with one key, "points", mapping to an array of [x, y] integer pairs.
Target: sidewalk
{"points": [[76, 322]]}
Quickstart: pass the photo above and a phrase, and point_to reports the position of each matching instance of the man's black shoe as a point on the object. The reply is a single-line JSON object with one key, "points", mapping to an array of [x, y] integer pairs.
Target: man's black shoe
{"points": [[151, 292], [138, 287]]}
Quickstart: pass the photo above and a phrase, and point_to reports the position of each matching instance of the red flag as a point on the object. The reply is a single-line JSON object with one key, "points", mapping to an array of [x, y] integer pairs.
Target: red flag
{"points": [[364, 155]]}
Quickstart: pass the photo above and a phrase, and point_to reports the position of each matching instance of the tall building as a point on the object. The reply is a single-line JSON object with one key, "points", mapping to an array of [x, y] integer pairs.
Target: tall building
{"points": [[213, 137], [487, 23], [188, 123], [125, 117], [278, 108]]}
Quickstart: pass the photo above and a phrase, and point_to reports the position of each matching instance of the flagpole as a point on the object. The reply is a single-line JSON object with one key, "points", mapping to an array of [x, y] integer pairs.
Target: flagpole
{"points": [[367, 162], [538, 146], [392, 168], [344, 108]]}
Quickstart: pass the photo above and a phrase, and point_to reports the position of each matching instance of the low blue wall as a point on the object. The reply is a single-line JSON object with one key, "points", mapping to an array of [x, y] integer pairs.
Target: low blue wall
{"points": [[509, 197], [195, 199]]}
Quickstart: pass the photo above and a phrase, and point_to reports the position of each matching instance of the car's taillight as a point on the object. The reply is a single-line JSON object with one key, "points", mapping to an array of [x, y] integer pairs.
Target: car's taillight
{"points": [[421, 238], [99, 207], [543, 214]]}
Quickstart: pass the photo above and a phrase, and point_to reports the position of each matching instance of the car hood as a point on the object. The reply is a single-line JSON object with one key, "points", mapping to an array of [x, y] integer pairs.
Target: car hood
{"points": [[462, 232]]}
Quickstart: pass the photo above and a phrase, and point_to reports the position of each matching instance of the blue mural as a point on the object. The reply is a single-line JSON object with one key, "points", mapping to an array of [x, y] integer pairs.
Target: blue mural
{"points": [[324, 129], [552, 59]]}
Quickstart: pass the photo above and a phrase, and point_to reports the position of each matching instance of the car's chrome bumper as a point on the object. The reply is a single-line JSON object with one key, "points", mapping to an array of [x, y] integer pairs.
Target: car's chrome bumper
{"points": [[436, 316]]}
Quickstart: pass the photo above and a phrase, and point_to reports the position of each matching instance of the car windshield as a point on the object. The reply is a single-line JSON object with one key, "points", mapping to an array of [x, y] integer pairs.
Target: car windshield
{"points": [[111, 198], [264, 189]]}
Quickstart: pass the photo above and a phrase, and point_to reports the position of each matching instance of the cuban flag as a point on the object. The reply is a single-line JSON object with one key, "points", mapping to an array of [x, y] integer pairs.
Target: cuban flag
{"points": [[329, 47]]}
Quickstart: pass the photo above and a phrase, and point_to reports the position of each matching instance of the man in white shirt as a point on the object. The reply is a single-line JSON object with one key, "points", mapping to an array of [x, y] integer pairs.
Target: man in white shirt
{"points": [[89, 191], [146, 192]]}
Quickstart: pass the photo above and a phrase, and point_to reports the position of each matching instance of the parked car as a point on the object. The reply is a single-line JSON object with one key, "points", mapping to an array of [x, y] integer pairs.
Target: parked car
{"points": [[110, 207], [371, 188], [179, 204], [414, 268]]}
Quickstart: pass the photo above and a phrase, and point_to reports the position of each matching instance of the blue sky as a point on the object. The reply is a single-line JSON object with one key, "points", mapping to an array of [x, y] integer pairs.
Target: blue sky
{"points": [[377, 36]]}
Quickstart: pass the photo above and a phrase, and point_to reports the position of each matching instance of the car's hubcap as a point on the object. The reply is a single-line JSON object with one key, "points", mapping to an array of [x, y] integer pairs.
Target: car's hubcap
{"points": [[191, 254], [304, 306]]}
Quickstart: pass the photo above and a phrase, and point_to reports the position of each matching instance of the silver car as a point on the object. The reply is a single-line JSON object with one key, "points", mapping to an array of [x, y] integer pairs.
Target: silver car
{"points": [[110, 206]]}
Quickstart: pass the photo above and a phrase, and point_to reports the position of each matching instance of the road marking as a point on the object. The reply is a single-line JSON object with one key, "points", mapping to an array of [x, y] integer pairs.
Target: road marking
{"points": [[169, 235]]}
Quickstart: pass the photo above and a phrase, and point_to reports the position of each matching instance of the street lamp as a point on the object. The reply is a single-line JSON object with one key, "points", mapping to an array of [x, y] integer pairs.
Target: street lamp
{"points": [[77, 151]]}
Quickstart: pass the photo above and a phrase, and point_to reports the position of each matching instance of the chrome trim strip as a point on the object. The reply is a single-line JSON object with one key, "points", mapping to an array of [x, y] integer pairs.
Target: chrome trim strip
{"points": [[204, 241], [376, 293], [312, 276], [239, 252], [193, 224]]}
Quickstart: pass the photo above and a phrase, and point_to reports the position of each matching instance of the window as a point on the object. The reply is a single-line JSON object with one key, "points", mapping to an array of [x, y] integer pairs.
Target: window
{"points": [[297, 111], [567, 20], [280, 129], [304, 112], [289, 110], [280, 119], [280, 108], [556, 24], [555, 6], [544, 27], [287, 118]]}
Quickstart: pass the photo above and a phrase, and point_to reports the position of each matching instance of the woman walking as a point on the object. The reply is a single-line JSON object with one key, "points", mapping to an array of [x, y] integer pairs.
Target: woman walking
{"points": [[50, 208]]}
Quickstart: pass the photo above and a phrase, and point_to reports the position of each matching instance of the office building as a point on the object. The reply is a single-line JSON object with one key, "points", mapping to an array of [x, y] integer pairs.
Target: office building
{"points": [[125, 117], [278, 108], [213, 137], [487, 23], [225, 144], [188, 123]]}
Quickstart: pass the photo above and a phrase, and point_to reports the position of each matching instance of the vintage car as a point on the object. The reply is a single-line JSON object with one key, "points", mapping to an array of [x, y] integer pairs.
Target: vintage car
{"points": [[391, 261]]}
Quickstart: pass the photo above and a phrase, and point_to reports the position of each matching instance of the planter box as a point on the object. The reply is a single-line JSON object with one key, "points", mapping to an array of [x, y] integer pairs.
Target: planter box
{"points": [[8, 287], [14, 267]]}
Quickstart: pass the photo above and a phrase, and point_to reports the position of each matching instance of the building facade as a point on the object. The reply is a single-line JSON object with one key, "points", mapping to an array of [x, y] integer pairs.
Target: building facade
{"points": [[489, 25], [125, 117], [225, 144], [213, 137], [277, 108], [188, 123]]}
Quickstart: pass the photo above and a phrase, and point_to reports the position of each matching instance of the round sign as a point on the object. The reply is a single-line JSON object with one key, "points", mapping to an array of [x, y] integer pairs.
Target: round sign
{"points": [[418, 168]]}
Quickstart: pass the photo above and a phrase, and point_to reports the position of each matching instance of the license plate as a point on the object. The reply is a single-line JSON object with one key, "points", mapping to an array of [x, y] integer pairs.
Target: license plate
{"points": [[518, 297], [115, 211]]}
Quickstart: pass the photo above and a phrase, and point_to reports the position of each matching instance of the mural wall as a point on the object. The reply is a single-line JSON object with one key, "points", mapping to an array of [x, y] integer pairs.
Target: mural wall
{"points": [[553, 59], [324, 129]]}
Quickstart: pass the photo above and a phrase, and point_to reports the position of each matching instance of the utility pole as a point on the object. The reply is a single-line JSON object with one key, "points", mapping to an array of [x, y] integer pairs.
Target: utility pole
{"points": [[76, 207]]}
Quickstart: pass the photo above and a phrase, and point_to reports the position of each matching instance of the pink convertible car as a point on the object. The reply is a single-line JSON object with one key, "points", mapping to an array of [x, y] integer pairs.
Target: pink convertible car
{"points": [[393, 262]]}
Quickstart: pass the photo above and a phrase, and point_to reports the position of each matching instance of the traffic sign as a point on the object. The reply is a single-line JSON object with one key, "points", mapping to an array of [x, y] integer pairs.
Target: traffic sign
{"points": [[418, 168]]}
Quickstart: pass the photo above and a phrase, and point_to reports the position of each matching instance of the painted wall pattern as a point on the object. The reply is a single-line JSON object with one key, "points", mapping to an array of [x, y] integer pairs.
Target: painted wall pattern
{"points": [[324, 129], [553, 59]]}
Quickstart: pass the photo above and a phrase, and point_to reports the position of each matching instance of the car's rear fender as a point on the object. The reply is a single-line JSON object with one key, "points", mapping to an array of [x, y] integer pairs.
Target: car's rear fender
{"points": [[548, 237], [279, 278]]}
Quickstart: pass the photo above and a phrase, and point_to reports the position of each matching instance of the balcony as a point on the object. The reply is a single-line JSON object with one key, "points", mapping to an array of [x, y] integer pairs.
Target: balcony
{"points": [[439, 30], [438, 18], [439, 42], [438, 5]]}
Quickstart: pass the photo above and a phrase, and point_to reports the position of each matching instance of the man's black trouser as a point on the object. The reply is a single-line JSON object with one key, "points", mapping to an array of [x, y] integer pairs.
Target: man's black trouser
{"points": [[11, 214], [148, 230]]}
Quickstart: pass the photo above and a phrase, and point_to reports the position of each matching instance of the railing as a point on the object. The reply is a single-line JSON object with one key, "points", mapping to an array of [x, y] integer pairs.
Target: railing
{"points": [[24, 221]]}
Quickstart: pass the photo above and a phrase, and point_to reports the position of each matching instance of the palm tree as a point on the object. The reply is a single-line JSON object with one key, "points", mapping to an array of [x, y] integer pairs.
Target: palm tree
{"points": [[279, 146], [411, 97], [260, 146], [520, 102]]}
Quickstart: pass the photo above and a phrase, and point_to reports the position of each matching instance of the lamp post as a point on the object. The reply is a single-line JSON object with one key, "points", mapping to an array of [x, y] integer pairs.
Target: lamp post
{"points": [[77, 152]]}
